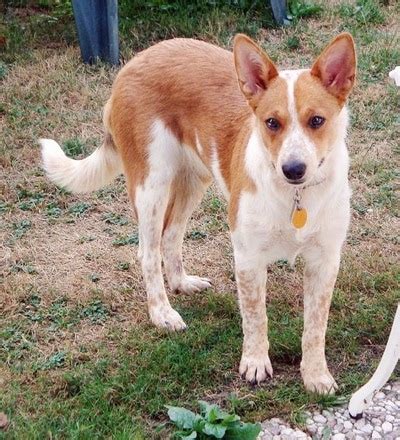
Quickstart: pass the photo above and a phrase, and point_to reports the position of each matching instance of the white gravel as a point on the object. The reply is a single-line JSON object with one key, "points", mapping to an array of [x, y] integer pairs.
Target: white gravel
{"points": [[381, 420]]}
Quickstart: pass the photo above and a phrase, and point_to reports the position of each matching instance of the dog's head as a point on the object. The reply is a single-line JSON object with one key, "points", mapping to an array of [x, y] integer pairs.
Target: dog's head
{"points": [[297, 112]]}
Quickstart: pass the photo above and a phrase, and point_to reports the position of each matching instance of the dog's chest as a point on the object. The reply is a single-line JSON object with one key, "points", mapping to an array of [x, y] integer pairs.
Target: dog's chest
{"points": [[266, 226]]}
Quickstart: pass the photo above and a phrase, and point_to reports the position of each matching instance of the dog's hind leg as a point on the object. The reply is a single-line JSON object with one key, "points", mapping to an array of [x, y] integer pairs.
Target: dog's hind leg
{"points": [[151, 202], [186, 193], [150, 199]]}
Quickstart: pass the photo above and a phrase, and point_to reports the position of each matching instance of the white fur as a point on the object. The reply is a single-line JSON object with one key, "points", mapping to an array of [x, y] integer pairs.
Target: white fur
{"points": [[216, 171], [168, 160], [80, 176]]}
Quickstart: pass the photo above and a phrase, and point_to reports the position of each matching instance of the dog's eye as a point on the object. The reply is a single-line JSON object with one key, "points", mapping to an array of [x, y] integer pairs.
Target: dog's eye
{"points": [[273, 124], [316, 121]]}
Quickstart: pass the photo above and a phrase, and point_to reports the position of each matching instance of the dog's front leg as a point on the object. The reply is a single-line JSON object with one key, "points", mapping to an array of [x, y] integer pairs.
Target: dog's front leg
{"points": [[319, 279], [255, 364]]}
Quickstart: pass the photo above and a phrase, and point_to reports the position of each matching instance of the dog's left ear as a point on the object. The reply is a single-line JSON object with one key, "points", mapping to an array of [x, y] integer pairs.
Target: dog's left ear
{"points": [[336, 66]]}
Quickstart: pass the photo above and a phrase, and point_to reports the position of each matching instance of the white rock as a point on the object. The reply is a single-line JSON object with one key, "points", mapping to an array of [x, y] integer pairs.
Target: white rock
{"points": [[359, 423], [312, 428], [327, 414], [359, 437], [378, 428], [347, 425], [375, 434], [379, 395], [287, 431], [389, 418], [338, 427], [277, 421], [300, 435], [309, 422], [272, 428], [339, 436], [319, 418], [332, 422], [367, 428], [376, 421], [387, 427]]}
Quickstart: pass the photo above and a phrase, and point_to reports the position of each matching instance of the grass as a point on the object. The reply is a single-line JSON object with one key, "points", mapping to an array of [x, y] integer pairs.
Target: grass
{"points": [[78, 357]]}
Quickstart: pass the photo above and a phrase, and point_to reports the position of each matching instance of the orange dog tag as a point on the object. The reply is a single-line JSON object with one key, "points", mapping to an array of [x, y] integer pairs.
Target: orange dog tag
{"points": [[299, 218]]}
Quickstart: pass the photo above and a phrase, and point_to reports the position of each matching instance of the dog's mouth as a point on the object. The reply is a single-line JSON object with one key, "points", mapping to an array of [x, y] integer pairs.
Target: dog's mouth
{"points": [[295, 182]]}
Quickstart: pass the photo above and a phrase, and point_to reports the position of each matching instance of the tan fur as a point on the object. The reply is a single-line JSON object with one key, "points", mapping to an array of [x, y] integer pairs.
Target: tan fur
{"points": [[155, 84]]}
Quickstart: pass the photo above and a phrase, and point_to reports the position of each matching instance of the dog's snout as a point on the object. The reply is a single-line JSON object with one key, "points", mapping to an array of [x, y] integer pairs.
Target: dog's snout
{"points": [[294, 170]]}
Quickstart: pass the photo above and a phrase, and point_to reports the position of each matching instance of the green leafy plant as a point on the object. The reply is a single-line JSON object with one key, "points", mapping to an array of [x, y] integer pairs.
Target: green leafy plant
{"points": [[74, 147], [21, 228], [79, 209], [115, 219], [123, 240], [211, 423]]}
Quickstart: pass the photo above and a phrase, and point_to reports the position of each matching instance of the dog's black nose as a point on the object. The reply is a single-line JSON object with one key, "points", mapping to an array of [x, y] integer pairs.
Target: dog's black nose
{"points": [[294, 170]]}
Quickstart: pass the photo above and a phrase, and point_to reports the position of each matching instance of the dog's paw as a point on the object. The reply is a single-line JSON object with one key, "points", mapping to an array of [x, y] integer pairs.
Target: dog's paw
{"points": [[255, 369], [320, 383], [164, 316], [193, 283]]}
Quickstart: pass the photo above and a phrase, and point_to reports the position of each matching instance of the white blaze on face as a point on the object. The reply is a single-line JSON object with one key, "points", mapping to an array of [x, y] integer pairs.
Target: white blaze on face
{"points": [[297, 146]]}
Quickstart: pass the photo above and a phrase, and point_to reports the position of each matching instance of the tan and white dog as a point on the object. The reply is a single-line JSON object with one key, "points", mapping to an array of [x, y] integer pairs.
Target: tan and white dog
{"points": [[183, 111]]}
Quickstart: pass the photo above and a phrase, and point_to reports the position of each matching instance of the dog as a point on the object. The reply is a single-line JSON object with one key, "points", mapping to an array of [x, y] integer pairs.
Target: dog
{"points": [[184, 111]]}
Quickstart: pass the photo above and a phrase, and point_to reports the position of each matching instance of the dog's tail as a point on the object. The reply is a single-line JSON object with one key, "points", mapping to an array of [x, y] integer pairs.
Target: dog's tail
{"points": [[81, 176]]}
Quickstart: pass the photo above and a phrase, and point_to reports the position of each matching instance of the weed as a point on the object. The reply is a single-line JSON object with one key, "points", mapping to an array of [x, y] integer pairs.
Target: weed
{"points": [[3, 70], [96, 311], [196, 235], [21, 228], [53, 210], [124, 240], [293, 42], [4, 207], [15, 343], [23, 266], [123, 265], [115, 219], [74, 147], [86, 239], [212, 422], [79, 209], [56, 360], [94, 277]]}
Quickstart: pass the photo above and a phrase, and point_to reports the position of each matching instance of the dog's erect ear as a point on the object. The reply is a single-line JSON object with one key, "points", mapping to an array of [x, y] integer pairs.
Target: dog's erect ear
{"points": [[253, 68], [336, 66]]}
